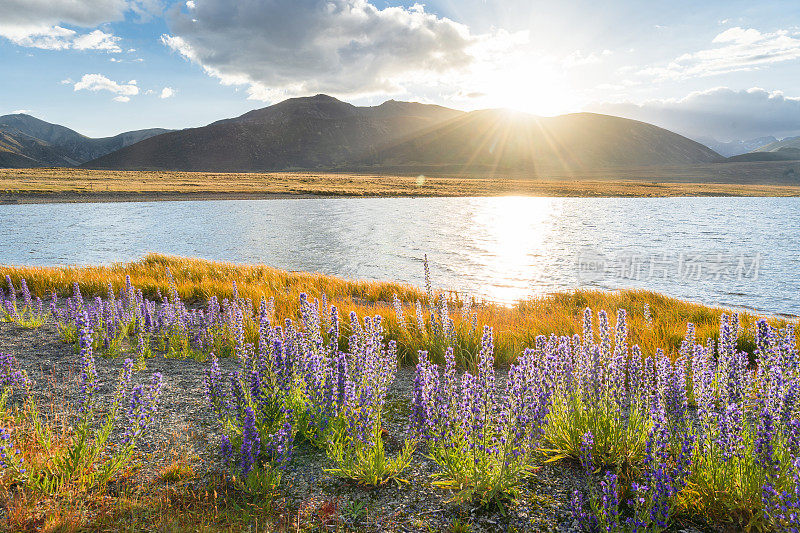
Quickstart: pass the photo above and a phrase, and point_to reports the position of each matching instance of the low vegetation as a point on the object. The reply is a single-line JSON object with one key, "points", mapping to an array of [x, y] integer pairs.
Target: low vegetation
{"points": [[79, 185], [413, 318], [676, 412]]}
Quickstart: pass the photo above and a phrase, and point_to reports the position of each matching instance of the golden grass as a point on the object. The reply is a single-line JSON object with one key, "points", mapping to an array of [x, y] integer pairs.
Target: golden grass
{"points": [[75, 185], [176, 500], [515, 327]]}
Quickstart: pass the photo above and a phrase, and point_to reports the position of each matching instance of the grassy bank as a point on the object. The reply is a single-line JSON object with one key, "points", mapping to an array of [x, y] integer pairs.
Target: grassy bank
{"points": [[516, 327], [79, 185], [254, 441]]}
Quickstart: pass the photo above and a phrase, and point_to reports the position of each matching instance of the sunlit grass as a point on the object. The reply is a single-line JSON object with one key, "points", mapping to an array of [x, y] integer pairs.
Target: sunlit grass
{"points": [[515, 327], [64, 184]]}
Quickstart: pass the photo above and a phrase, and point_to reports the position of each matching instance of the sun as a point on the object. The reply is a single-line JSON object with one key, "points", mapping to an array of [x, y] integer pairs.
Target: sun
{"points": [[527, 85]]}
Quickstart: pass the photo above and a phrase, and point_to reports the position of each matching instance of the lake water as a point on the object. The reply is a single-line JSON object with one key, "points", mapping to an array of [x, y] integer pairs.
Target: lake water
{"points": [[740, 252]]}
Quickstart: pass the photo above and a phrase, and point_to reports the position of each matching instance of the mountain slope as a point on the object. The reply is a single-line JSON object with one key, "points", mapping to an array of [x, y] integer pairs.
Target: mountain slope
{"points": [[788, 143], [321, 132], [54, 145], [312, 132], [499, 140], [19, 150], [734, 148]]}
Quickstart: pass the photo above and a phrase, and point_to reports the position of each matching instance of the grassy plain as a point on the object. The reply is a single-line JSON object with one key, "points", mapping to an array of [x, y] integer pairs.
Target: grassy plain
{"points": [[80, 185]]}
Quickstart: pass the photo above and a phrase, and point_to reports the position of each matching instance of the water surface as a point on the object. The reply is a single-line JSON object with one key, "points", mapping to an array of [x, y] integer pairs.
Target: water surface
{"points": [[740, 252]]}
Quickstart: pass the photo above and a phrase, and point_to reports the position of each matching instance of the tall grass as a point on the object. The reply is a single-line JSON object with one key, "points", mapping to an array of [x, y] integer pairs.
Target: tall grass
{"points": [[655, 321]]}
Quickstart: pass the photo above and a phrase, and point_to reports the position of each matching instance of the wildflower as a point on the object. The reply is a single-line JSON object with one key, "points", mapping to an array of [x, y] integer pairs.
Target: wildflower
{"points": [[251, 442], [89, 381]]}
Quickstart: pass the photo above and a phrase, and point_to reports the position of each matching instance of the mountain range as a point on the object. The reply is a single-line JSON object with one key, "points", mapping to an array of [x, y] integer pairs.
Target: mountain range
{"points": [[26, 141], [323, 133], [735, 147]]}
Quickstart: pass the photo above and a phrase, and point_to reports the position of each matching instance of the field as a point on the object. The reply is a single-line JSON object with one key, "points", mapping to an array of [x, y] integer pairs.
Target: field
{"points": [[78, 185], [175, 394]]}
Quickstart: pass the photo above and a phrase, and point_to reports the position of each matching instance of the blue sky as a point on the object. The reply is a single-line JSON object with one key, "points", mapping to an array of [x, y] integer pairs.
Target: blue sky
{"points": [[723, 69]]}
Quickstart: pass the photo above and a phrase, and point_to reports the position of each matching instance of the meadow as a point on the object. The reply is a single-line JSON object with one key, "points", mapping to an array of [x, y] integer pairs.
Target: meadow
{"points": [[662, 413], [82, 185]]}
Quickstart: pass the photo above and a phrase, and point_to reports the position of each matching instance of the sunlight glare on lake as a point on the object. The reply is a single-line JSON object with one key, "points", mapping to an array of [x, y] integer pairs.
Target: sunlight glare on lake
{"points": [[510, 232]]}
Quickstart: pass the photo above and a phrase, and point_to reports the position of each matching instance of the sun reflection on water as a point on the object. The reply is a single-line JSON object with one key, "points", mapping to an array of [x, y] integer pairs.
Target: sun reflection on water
{"points": [[511, 234]]}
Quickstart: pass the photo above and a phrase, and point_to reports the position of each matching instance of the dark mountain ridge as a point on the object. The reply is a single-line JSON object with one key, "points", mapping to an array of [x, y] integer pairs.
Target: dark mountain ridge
{"points": [[29, 141], [323, 133]]}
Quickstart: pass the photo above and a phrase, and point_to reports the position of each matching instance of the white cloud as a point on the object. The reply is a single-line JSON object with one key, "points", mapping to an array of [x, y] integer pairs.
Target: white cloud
{"points": [[282, 48], [84, 13], [190, 4], [167, 92], [578, 58], [21, 112], [58, 38], [66, 81], [40, 23], [43, 37], [97, 40], [722, 113], [98, 82], [740, 50]]}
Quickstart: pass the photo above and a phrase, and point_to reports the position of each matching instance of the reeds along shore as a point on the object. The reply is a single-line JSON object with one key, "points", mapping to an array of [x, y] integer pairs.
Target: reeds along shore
{"points": [[656, 321]]}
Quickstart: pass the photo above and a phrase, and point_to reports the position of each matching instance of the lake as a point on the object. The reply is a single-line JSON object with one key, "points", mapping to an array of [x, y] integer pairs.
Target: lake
{"points": [[739, 252]]}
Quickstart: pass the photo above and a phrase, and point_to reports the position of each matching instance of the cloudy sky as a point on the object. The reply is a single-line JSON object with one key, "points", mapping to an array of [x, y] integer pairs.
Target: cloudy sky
{"points": [[720, 68]]}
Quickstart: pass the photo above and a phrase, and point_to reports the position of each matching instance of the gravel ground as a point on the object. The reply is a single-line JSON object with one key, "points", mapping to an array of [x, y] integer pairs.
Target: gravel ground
{"points": [[184, 428]]}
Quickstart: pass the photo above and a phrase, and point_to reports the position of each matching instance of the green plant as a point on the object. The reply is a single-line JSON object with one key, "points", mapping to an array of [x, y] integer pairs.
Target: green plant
{"points": [[366, 463]]}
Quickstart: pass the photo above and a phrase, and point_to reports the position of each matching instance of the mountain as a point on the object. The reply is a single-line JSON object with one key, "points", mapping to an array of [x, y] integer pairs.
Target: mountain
{"points": [[736, 147], [500, 140], [311, 132], [786, 150], [29, 141], [19, 150], [321, 132], [788, 143]]}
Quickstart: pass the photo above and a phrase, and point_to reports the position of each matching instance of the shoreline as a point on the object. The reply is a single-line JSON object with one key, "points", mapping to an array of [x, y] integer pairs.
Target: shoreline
{"points": [[60, 185], [667, 190]]}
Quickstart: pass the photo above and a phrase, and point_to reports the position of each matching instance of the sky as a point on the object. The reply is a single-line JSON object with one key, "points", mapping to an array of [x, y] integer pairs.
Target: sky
{"points": [[722, 69]]}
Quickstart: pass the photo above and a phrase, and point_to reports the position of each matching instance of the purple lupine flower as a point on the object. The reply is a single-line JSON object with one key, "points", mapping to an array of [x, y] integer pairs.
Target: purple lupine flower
{"points": [[586, 520], [226, 449], [609, 500], [424, 400], [764, 448], [251, 442], [12, 292], [8, 454], [142, 407], [124, 382], [587, 445], [89, 381], [730, 426], [10, 373], [281, 444], [26, 295]]}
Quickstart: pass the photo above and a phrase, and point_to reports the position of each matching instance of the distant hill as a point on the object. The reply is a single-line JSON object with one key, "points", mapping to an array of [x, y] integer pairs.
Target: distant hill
{"points": [[788, 143], [737, 147], [321, 132], [29, 141], [785, 150], [313, 132], [499, 140]]}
